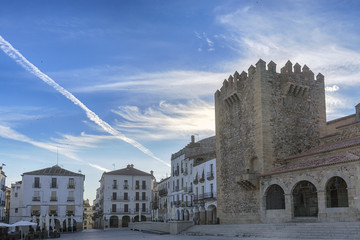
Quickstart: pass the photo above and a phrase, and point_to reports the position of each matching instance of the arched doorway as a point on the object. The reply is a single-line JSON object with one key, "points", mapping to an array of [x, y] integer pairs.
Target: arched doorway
{"points": [[125, 221], [143, 218], [305, 200], [211, 215], [336, 193], [202, 215], [114, 222]]}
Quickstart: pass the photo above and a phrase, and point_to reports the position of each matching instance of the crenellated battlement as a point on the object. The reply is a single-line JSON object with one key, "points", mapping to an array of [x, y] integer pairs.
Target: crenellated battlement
{"points": [[299, 79]]}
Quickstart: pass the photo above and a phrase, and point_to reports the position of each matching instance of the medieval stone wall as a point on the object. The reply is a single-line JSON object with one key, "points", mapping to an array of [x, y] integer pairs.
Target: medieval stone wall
{"points": [[261, 118]]}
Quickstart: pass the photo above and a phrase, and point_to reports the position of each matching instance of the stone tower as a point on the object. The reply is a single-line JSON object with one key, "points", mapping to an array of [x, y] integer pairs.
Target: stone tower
{"points": [[262, 117]]}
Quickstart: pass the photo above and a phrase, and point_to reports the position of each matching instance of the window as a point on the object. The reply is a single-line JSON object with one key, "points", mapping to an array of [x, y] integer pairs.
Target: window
{"points": [[143, 184], [137, 207], [36, 182], [126, 208], [71, 196], [16, 194], [126, 197], [275, 198], [144, 196], [114, 184], [16, 210], [126, 185], [36, 196], [336, 193], [35, 210], [53, 196], [137, 196], [144, 207], [113, 208], [53, 183], [53, 210], [71, 183], [137, 185], [114, 197]]}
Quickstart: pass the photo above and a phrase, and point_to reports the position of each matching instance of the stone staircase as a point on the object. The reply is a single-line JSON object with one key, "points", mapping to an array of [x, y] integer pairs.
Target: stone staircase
{"points": [[294, 230]]}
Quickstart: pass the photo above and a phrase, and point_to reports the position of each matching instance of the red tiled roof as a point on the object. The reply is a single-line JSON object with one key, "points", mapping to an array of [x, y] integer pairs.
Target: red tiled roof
{"points": [[313, 163], [328, 147]]}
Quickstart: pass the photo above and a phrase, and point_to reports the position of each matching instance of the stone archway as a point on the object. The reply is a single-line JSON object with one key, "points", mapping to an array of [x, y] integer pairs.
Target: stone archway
{"points": [[211, 215], [305, 200], [125, 221], [114, 222]]}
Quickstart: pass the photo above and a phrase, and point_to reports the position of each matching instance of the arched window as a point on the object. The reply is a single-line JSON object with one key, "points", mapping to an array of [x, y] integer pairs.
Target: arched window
{"points": [[336, 193], [275, 198], [305, 200]]}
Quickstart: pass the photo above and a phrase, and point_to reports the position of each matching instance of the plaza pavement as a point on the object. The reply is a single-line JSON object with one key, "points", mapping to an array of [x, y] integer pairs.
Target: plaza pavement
{"points": [[127, 234]]}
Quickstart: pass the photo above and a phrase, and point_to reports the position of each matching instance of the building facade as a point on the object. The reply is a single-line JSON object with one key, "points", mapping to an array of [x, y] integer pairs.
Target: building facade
{"points": [[2, 195], [277, 157], [50, 191], [124, 195], [193, 183], [88, 215]]}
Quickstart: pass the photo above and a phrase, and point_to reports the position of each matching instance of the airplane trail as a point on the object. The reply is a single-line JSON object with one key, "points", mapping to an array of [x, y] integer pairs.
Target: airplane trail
{"points": [[21, 60]]}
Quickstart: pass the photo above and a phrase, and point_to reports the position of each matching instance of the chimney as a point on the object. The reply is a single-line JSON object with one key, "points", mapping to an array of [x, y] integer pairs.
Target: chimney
{"points": [[192, 139], [152, 172]]}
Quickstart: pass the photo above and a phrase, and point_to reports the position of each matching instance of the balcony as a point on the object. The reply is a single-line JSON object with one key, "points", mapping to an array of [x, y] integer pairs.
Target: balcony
{"points": [[36, 199], [120, 198], [36, 185], [71, 186], [210, 195], [202, 180], [210, 176], [53, 185], [142, 199], [69, 213], [71, 199], [53, 199], [114, 186], [126, 186], [196, 181], [55, 213], [163, 192], [143, 187]]}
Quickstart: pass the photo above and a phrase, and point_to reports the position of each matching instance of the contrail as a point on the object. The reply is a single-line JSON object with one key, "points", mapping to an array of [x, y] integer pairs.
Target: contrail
{"points": [[21, 60]]}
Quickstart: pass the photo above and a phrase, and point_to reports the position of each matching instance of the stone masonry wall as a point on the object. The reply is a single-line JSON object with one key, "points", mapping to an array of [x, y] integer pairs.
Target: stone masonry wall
{"points": [[261, 118]]}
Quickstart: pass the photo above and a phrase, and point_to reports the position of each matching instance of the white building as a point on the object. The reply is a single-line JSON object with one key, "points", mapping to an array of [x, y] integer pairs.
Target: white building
{"points": [[193, 182], [2, 195], [49, 191], [124, 195], [88, 215], [162, 200]]}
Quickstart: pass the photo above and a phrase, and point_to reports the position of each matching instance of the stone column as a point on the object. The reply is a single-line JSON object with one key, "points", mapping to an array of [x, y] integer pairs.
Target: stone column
{"points": [[321, 205], [289, 208]]}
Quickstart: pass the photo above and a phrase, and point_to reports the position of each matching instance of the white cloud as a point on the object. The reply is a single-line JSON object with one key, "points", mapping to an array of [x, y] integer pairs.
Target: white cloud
{"points": [[66, 147], [171, 84], [299, 36], [167, 121], [21, 60], [334, 88]]}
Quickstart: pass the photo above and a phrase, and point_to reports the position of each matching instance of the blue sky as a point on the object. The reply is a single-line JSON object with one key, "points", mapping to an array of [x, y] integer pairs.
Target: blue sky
{"points": [[148, 70]]}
